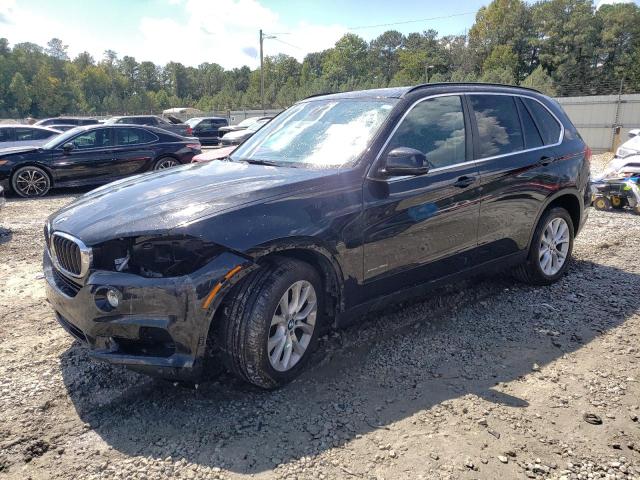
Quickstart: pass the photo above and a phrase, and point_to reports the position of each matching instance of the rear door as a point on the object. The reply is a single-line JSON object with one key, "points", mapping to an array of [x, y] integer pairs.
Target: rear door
{"points": [[133, 151], [418, 228], [205, 130], [513, 152], [91, 160]]}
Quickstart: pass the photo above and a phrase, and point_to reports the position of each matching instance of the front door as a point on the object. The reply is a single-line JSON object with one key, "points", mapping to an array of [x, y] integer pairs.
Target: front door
{"points": [[417, 228], [90, 160]]}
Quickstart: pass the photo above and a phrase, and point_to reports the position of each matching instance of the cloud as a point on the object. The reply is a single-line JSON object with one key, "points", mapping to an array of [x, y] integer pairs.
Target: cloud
{"points": [[191, 32], [226, 32], [610, 2]]}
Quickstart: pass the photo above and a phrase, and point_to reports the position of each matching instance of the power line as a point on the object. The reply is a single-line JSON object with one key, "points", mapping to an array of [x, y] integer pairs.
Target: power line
{"points": [[286, 43], [360, 27]]}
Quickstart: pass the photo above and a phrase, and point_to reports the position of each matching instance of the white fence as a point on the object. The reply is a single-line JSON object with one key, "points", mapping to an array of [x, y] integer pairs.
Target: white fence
{"points": [[599, 118]]}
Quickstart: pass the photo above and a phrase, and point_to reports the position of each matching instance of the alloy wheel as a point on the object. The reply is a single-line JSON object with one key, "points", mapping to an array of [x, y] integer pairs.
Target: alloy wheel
{"points": [[32, 183], [554, 246], [292, 326], [166, 163]]}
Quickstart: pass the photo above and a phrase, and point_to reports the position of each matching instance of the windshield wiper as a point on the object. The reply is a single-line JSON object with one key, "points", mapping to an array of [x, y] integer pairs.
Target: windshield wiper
{"points": [[259, 162]]}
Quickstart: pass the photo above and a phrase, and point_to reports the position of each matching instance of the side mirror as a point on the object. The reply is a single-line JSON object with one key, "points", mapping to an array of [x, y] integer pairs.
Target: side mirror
{"points": [[405, 161], [67, 147]]}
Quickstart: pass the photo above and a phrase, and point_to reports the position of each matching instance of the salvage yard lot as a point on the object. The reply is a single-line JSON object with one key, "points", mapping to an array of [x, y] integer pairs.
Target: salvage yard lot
{"points": [[488, 379]]}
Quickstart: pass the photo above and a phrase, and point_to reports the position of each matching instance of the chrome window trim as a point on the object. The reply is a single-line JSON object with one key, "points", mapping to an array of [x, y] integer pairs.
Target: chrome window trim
{"points": [[86, 255], [469, 162]]}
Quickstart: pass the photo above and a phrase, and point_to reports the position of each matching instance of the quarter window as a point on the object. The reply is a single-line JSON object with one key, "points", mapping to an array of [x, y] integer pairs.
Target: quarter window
{"points": [[436, 128], [499, 131], [23, 134], [93, 139], [532, 138], [549, 127]]}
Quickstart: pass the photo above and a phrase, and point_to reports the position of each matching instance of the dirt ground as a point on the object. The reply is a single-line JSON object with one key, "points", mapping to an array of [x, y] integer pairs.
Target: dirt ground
{"points": [[491, 379]]}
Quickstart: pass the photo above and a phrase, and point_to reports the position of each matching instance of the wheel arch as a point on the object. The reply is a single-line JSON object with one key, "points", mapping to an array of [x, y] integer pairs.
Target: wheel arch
{"points": [[570, 200], [41, 166], [322, 261]]}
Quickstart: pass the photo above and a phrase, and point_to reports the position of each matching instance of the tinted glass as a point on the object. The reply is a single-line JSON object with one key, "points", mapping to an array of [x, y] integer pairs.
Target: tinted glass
{"points": [[5, 134], [220, 122], [436, 128], [205, 124], [498, 124], [132, 136], [93, 139], [548, 125], [532, 138], [23, 134]]}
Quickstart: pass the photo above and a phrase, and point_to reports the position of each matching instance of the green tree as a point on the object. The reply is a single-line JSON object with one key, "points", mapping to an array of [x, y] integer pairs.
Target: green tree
{"points": [[20, 94], [540, 80]]}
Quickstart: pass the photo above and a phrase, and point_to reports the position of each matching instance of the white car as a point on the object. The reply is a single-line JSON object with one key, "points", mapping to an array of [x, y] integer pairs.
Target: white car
{"points": [[631, 146], [25, 135]]}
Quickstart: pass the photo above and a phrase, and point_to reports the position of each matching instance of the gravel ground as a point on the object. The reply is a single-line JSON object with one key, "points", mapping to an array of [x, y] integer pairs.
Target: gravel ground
{"points": [[488, 379]]}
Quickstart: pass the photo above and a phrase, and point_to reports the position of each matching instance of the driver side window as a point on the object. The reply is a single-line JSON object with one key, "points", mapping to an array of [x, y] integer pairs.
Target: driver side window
{"points": [[436, 128]]}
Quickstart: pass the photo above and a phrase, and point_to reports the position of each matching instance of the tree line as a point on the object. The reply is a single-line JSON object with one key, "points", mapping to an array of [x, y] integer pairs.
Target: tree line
{"points": [[561, 47]]}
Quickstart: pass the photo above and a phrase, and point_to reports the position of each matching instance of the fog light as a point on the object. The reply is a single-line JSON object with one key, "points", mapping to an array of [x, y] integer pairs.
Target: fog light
{"points": [[113, 297]]}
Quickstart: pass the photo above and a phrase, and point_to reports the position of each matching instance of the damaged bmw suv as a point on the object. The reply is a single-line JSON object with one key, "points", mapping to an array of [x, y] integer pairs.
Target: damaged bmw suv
{"points": [[342, 203]]}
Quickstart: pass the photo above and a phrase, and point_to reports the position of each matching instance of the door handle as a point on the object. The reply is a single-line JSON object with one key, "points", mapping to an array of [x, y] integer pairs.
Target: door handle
{"points": [[544, 161], [464, 182]]}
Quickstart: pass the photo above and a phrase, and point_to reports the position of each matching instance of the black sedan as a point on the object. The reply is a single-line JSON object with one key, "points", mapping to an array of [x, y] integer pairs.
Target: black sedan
{"points": [[91, 156]]}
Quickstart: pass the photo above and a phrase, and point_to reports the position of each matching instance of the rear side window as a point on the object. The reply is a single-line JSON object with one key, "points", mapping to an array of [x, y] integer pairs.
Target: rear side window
{"points": [[5, 134], [133, 136], [499, 131], [532, 138], [548, 126], [93, 139], [220, 123], [436, 128], [23, 134]]}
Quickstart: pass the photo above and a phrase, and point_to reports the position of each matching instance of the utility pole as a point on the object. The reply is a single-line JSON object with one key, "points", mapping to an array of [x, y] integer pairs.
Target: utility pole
{"points": [[261, 72]]}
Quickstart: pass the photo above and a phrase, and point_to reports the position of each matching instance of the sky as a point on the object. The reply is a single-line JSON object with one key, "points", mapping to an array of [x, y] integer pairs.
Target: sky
{"points": [[222, 31]]}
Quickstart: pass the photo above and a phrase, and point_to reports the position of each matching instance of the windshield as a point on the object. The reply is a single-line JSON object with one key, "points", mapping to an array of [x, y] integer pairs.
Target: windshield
{"points": [[62, 138], [248, 121], [321, 133]]}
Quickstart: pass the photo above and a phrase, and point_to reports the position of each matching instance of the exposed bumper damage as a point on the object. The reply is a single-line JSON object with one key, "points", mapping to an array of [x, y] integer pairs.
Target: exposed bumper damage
{"points": [[159, 326]]}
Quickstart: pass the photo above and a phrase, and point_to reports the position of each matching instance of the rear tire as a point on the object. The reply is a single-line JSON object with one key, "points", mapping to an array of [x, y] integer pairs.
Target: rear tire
{"points": [[165, 162], [550, 249], [617, 203], [263, 339]]}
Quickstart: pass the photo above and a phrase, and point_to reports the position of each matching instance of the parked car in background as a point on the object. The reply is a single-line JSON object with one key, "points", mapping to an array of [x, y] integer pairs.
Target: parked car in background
{"points": [[207, 128], [214, 154], [342, 203], [246, 123], [93, 155], [631, 146], [20, 135], [239, 136], [174, 126], [62, 127], [77, 121]]}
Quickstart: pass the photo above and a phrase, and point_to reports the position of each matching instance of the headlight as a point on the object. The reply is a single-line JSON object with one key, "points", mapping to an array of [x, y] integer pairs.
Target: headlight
{"points": [[625, 152], [170, 256]]}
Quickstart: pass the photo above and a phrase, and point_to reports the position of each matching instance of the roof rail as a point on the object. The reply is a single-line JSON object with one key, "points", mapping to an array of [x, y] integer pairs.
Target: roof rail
{"points": [[424, 85], [320, 94]]}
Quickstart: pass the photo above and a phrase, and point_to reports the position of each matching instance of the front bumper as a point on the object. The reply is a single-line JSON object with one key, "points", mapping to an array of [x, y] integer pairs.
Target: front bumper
{"points": [[159, 327]]}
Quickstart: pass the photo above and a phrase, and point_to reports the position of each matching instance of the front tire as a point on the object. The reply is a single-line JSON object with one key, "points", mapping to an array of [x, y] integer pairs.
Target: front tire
{"points": [[269, 326], [30, 181], [550, 249]]}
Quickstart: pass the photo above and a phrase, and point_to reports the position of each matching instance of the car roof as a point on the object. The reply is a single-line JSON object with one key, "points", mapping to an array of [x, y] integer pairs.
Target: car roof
{"points": [[401, 92], [48, 128]]}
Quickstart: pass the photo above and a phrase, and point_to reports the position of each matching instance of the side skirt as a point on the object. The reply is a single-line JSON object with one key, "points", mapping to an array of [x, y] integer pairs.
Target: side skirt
{"points": [[354, 314]]}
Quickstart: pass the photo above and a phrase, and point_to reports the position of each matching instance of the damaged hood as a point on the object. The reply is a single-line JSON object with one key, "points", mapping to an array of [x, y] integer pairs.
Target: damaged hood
{"points": [[157, 202]]}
